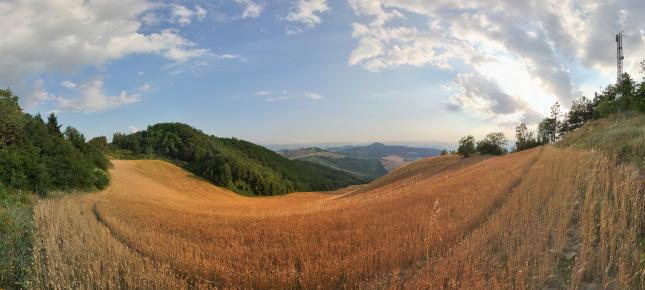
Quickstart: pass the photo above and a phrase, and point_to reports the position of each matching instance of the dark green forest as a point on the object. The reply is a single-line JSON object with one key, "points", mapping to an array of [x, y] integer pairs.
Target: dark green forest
{"points": [[236, 164]]}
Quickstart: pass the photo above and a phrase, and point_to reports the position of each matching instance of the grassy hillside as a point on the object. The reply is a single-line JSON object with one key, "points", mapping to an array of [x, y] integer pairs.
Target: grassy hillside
{"points": [[620, 135], [232, 163]]}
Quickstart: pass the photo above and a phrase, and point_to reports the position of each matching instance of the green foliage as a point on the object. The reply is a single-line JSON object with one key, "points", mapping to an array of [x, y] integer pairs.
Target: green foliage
{"points": [[11, 119], [101, 178], [52, 125], [524, 138], [493, 144], [467, 146], [37, 157], [239, 165], [99, 143]]}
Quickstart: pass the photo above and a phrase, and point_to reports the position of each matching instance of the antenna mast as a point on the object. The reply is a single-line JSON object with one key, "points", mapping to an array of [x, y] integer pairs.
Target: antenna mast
{"points": [[619, 56]]}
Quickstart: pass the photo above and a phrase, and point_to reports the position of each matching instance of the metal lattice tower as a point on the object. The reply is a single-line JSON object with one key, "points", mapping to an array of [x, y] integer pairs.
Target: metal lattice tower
{"points": [[619, 56]]}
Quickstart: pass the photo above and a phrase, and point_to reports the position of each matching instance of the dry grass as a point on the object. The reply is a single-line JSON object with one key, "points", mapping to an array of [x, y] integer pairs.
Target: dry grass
{"points": [[445, 222]]}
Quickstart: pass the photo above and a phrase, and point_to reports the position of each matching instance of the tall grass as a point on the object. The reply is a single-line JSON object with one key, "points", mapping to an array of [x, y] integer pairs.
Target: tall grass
{"points": [[620, 135], [15, 239], [548, 217], [571, 223]]}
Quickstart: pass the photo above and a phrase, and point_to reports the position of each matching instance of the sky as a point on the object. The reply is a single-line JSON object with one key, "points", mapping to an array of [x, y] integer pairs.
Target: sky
{"points": [[313, 71]]}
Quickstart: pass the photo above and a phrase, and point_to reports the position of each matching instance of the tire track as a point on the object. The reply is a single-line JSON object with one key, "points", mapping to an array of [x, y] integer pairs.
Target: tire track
{"points": [[399, 279], [194, 281]]}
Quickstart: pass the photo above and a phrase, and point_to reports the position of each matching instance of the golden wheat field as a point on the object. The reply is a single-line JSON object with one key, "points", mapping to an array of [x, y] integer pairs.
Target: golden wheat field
{"points": [[546, 218]]}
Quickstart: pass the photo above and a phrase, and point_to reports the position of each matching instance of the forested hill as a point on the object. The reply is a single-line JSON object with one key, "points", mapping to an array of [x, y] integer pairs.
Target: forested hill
{"points": [[239, 165]]}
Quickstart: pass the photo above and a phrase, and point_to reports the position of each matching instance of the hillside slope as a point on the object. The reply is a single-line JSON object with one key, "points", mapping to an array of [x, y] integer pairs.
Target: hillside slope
{"points": [[620, 135], [236, 164], [553, 217]]}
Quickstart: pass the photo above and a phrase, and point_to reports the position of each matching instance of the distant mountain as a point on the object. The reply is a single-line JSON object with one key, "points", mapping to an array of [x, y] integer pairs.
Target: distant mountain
{"points": [[236, 164], [380, 150], [310, 151], [365, 162], [364, 169]]}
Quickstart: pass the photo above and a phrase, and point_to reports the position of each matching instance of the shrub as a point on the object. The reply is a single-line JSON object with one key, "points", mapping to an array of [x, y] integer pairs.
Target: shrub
{"points": [[101, 178]]}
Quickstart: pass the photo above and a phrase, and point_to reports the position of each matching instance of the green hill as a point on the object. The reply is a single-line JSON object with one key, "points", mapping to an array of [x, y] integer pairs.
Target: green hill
{"points": [[364, 169], [309, 151], [239, 165], [379, 150]]}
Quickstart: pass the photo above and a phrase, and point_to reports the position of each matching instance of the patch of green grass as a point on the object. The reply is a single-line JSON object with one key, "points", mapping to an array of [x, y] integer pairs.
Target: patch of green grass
{"points": [[16, 238], [621, 136]]}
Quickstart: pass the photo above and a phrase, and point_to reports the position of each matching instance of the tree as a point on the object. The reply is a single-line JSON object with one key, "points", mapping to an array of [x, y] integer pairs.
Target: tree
{"points": [[546, 131], [625, 93], [550, 128], [466, 146], [75, 137], [444, 152], [524, 138], [494, 144], [99, 143], [581, 112], [12, 119], [557, 123], [52, 125]]}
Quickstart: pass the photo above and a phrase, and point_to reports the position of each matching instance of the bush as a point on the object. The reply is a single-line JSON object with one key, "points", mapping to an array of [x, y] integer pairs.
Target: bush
{"points": [[467, 146], [101, 178]]}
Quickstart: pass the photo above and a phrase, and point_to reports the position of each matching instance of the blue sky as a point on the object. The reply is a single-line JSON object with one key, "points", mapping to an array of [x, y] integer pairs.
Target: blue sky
{"points": [[311, 71]]}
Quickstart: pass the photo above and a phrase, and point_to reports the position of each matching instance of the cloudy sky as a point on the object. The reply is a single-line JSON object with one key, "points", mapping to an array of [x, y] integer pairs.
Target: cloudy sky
{"points": [[305, 71]]}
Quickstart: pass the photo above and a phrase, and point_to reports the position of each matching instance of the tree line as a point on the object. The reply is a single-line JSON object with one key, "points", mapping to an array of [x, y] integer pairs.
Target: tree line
{"points": [[626, 95], [37, 156], [239, 165]]}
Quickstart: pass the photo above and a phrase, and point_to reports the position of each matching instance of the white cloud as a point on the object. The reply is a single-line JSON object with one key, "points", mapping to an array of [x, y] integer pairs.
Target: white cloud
{"points": [[539, 39], [276, 99], [306, 12], [145, 88], [42, 37], [92, 98], [313, 96], [200, 12], [68, 84], [181, 14], [252, 9], [284, 96]]}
